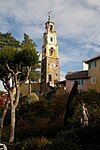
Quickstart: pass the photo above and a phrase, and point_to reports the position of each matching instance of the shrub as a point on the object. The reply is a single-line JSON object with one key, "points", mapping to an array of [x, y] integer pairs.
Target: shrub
{"points": [[32, 98], [34, 143]]}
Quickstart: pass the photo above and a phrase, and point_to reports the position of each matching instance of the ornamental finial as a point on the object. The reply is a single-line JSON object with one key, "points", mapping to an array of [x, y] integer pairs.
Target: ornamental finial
{"points": [[49, 15]]}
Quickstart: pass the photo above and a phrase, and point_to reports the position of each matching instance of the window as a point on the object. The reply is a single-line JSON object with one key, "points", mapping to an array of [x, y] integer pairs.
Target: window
{"points": [[80, 82], [50, 77], [93, 80], [51, 39], [51, 51], [46, 27], [51, 27], [45, 50], [92, 64]]}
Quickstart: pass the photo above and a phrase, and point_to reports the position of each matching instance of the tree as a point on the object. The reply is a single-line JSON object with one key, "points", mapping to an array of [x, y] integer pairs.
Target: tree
{"points": [[15, 67], [7, 39], [70, 105], [35, 74]]}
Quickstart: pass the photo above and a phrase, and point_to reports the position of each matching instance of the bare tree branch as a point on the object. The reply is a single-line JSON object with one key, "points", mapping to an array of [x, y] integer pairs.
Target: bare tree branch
{"points": [[17, 90], [9, 68], [28, 72]]}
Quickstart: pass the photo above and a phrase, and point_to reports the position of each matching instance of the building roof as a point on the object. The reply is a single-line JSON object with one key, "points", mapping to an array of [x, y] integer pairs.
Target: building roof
{"points": [[62, 82], [77, 75], [94, 58]]}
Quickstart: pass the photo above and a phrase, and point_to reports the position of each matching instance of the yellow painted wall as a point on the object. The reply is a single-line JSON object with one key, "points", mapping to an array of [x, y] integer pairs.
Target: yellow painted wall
{"points": [[24, 90], [94, 72]]}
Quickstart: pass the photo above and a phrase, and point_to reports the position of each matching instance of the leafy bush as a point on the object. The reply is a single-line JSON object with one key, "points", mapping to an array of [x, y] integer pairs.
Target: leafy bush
{"points": [[32, 98], [35, 143], [46, 118], [10, 146], [77, 139], [92, 102]]}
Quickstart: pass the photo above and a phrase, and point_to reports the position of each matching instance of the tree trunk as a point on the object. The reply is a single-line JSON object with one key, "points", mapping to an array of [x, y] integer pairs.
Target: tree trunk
{"points": [[14, 104], [3, 116], [12, 125], [14, 101], [30, 88]]}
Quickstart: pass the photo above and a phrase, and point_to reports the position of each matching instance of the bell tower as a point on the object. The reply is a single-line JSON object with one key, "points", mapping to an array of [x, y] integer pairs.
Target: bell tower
{"points": [[50, 61]]}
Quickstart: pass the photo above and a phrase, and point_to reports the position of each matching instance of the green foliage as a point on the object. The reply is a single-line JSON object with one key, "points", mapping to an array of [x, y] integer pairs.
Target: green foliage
{"points": [[32, 98], [10, 146], [28, 42], [29, 55], [42, 118], [8, 40], [35, 143], [70, 105], [65, 140], [77, 139], [35, 75], [89, 97], [18, 59], [45, 118], [15, 67], [92, 101], [8, 55]]}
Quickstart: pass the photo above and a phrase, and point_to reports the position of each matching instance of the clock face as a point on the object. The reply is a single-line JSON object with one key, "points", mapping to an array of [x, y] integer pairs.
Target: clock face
{"points": [[53, 65]]}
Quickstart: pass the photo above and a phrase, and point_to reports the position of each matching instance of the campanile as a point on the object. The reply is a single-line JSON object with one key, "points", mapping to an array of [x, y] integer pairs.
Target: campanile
{"points": [[50, 60]]}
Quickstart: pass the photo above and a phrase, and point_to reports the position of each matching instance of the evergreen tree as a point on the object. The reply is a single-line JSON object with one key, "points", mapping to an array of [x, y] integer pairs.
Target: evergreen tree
{"points": [[15, 67], [35, 74], [7, 39]]}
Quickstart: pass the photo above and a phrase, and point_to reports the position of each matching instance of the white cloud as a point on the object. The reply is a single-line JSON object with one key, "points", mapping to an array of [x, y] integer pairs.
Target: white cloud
{"points": [[33, 31], [62, 75], [77, 20], [72, 17], [94, 3], [66, 59]]}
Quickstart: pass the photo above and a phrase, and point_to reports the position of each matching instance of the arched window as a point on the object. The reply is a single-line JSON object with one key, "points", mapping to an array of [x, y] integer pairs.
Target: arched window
{"points": [[51, 51], [46, 26], [50, 77], [51, 28], [45, 50]]}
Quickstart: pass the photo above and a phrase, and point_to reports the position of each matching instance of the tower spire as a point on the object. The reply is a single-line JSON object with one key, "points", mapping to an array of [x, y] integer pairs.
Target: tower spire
{"points": [[49, 15]]}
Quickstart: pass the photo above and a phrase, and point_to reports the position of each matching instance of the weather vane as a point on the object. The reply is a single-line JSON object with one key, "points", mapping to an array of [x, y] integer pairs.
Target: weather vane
{"points": [[49, 15]]}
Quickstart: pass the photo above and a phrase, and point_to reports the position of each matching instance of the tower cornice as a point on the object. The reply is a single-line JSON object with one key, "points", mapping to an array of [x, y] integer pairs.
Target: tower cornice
{"points": [[49, 22]]}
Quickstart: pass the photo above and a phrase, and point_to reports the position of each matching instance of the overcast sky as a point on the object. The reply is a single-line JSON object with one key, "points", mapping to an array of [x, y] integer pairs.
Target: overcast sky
{"points": [[77, 23]]}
